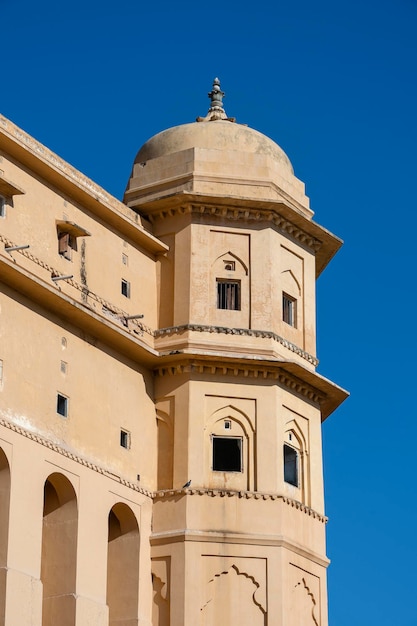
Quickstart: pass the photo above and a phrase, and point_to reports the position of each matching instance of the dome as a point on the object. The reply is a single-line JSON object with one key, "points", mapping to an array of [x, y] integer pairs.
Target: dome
{"points": [[213, 157], [219, 134]]}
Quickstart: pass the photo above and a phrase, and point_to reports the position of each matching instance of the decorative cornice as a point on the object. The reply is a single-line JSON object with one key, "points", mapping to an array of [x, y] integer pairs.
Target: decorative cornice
{"points": [[108, 309], [247, 332], [246, 370], [166, 494], [238, 214], [111, 311], [127, 218], [73, 457]]}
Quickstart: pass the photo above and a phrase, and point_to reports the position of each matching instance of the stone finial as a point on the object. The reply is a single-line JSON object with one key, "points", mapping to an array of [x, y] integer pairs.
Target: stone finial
{"points": [[216, 110]]}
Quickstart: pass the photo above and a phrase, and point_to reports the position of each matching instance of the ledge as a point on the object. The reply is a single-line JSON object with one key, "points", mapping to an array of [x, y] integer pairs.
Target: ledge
{"points": [[8, 189], [56, 447], [247, 332]]}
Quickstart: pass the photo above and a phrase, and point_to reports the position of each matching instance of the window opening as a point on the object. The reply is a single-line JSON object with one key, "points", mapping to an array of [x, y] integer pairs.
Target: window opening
{"points": [[125, 259], [66, 244], [229, 266], [227, 454], [290, 465], [289, 309], [125, 439], [227, 424], [125, 288], [64, 367], [2, 206], [62, 405], [228, 295]]}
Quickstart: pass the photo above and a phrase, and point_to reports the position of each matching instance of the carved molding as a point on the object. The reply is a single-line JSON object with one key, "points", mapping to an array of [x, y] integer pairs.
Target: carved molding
{"points": [[247, 332], [73, 457], [234, 569], [108, 309], [239, 214], [111, 311], [166, 494], [247, 370], [303, 585]]}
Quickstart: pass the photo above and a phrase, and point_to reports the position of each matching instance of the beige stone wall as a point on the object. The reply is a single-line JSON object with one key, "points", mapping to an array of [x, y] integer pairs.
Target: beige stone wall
{"points": [[96, 523], [41, 553], [100, 261]]}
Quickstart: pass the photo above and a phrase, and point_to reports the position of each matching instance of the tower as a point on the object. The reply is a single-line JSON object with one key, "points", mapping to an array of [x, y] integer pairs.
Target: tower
{"points": [[160, 408], [238, 401]]}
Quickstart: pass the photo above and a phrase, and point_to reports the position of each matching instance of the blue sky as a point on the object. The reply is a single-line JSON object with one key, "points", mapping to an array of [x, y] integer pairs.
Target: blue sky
{"points": [[335, 85]]}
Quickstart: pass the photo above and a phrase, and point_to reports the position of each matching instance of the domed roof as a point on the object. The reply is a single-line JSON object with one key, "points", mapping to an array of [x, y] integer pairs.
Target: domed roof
{"points": [[215, 134]]}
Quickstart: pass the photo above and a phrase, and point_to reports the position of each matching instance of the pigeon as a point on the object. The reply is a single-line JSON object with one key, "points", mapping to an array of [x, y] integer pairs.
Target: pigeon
{"points": [[187, 484]]}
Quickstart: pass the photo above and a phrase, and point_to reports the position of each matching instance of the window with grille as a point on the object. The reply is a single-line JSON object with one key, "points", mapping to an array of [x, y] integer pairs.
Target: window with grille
{"points": [[228, 294], [290, 465], [289, 310]]}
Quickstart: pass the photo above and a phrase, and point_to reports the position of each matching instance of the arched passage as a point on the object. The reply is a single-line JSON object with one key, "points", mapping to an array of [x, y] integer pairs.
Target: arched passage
{"points": [[59, 551], [4, 528], [123, 566]]}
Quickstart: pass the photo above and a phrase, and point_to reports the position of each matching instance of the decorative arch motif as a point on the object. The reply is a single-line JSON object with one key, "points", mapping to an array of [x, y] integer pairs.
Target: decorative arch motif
{"points": [[230, 422], [296, 436], [305, 605], [123, 565], [232, 412], [229, 280], [165, 434], [291, 281], [59, 551], [161, 587], [233, 598], [233, 257]]}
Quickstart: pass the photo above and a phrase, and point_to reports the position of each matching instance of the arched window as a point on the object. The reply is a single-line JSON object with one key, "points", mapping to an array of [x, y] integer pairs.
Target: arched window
{"points": [[59, 551], [4, 528]]}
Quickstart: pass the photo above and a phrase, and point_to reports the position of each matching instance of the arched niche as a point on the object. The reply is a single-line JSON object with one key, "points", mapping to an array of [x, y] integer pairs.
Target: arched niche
{"points": [[4, 528], [296, 439], [59, 551], [233, 599], [230, 293], [122, 566], [165, 433], [230, 431]]}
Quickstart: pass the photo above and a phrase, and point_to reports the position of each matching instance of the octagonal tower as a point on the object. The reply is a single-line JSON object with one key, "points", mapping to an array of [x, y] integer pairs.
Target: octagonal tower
{"points": [[239, 521]]}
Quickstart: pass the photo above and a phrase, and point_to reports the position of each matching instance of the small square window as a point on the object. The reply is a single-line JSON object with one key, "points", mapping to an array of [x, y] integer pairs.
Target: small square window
{"points": [[228, 295], [125, 439], [289, 310], [125, 259], [62, 405], [227, 454], [290, 465], [227, 424], [125, 288], [2, 206], [66, 244], [229, 266]]}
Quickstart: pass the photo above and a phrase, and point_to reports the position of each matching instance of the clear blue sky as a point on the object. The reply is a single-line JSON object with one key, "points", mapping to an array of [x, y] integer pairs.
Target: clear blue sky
{"points": [[334, 83]]}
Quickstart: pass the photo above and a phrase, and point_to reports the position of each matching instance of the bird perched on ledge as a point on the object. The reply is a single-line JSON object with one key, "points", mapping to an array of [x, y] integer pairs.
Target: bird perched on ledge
{"points": [[187, 484]]}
